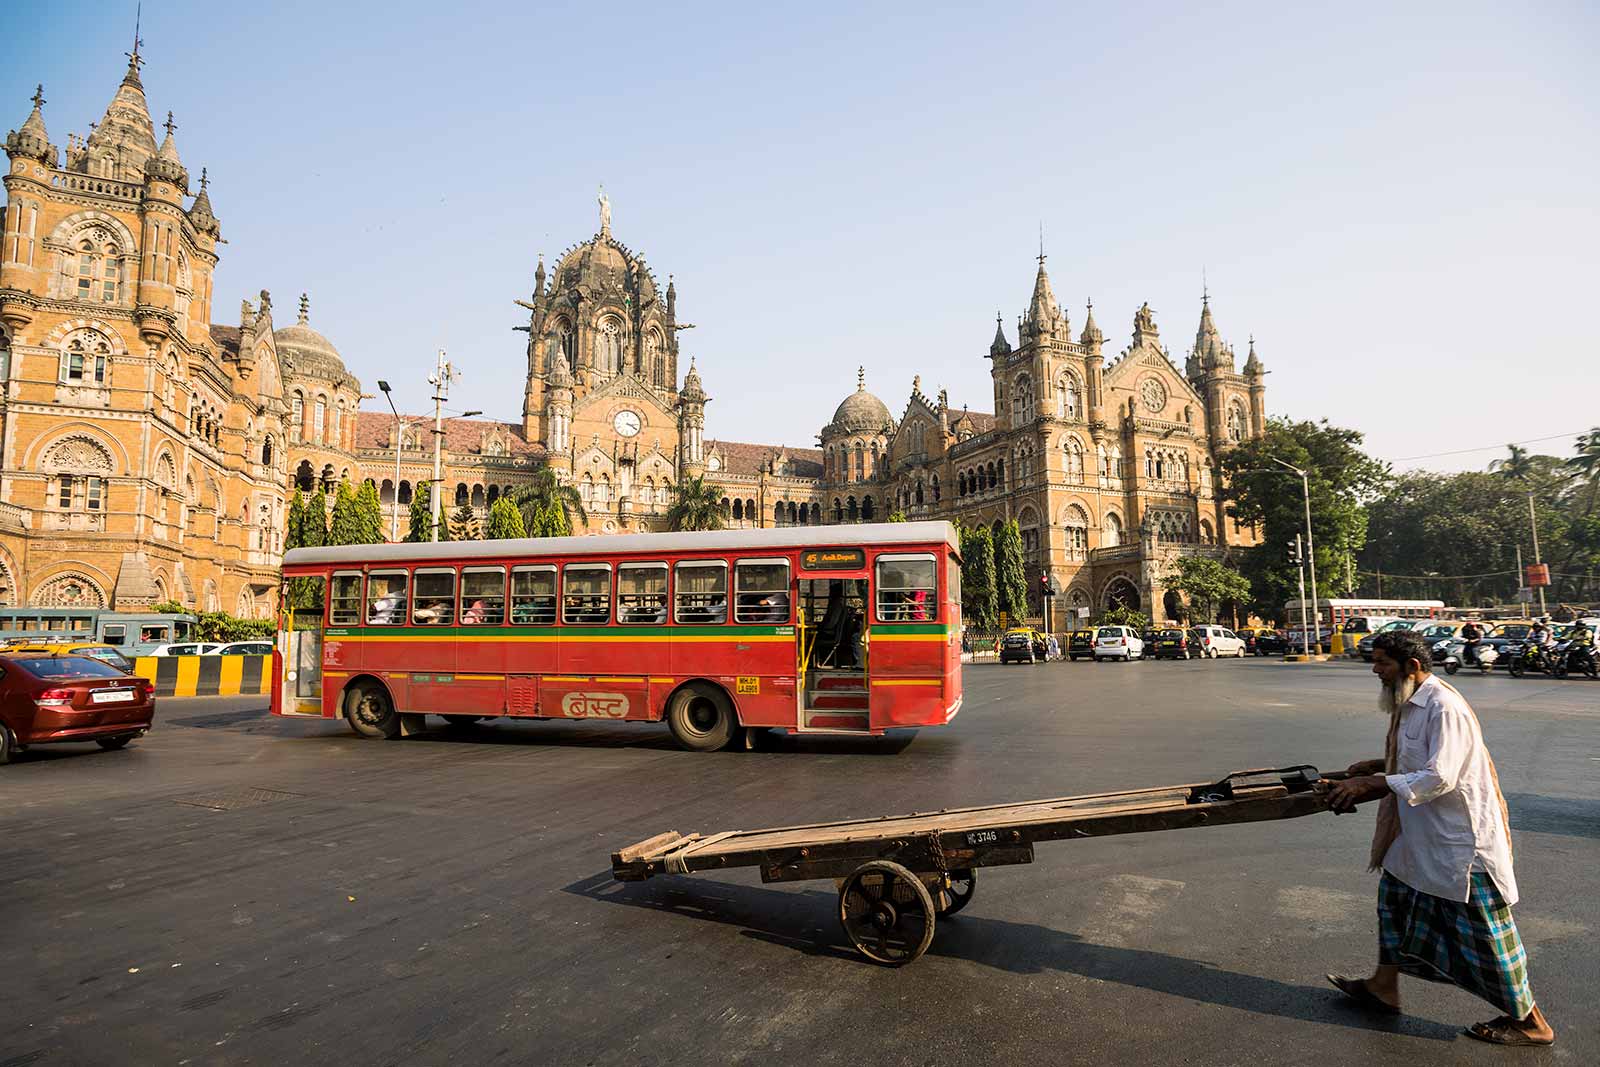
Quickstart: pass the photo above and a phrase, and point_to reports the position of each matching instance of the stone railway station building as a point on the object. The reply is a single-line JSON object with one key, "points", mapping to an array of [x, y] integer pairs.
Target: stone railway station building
{"points": [[147, 453]]}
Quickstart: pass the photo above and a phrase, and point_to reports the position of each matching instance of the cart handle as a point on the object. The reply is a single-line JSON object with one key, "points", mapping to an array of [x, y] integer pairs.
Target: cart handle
{"points": [[1296, 779]]}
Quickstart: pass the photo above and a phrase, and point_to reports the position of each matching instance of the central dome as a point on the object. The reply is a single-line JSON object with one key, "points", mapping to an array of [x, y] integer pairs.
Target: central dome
{"points": [[312, 354], [861, 410]]}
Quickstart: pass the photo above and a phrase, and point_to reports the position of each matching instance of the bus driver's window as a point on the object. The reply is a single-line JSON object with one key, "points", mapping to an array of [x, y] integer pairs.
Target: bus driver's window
{"points": [[762, 588]]}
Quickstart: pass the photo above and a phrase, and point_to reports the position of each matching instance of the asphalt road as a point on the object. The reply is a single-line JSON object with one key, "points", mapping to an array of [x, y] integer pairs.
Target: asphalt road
{"points": [[238, 889]]}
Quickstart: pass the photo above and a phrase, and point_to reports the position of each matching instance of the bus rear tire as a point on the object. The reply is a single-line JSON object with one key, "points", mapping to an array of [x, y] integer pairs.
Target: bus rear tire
{"points": [[701, 718], [370, 712]]}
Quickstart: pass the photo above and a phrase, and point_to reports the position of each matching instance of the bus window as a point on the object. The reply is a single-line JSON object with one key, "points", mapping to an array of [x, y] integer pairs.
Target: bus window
{"points": [[642, 593], [344, 606], [114, 633], [152, 634], [702, 591], [533, 595], [55, 623], [906, 589], [434, 601], [483, 596], [386, 598], [761, 590], [181, 630], [587, 593]]}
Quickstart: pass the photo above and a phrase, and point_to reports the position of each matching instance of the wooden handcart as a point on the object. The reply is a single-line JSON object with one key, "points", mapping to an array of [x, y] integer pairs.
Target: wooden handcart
{"points": [[898, 874]]}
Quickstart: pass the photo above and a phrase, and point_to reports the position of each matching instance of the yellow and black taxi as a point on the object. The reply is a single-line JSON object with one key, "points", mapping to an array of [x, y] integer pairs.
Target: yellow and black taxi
{"points": [[1022, 644], [1176, 643], [1080, 644], [89, 649]]}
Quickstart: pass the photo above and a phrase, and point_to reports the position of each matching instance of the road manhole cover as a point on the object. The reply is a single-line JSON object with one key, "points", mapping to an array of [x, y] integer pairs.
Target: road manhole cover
{"points": [[233, 799]]}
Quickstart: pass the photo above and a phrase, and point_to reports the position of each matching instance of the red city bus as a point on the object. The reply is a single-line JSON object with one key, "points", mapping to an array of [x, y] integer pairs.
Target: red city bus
{"points": [[836, 629]]}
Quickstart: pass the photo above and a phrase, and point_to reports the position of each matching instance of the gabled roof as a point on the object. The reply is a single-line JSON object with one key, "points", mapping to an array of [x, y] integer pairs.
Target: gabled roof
{"points": [[746, 459], [227, 338], [461, 436]]}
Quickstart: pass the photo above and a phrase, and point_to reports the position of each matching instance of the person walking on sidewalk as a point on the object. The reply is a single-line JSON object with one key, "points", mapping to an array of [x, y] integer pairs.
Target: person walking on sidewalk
{"points": [[1443, 841]]}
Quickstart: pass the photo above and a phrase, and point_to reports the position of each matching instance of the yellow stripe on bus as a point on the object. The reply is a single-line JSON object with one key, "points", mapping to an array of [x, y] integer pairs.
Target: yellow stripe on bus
{"points": [[481, 677], [908, 681], [622, 638], [878, 636]]}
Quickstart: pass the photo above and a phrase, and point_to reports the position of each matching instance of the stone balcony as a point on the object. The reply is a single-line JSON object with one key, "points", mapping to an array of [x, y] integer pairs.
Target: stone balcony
{"points": [[15, 517]]}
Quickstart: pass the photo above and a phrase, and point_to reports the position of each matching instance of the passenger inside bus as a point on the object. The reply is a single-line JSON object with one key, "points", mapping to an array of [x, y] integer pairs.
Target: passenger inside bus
{"points": [[386, 609], [764, 607]]}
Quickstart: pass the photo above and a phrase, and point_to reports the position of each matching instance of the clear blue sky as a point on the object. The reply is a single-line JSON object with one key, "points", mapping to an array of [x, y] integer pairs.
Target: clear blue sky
{"points": [[1397, 200]]}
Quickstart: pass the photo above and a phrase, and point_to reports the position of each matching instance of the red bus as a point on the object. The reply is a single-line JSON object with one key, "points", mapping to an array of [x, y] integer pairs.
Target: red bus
{"points": [[836, 629]]}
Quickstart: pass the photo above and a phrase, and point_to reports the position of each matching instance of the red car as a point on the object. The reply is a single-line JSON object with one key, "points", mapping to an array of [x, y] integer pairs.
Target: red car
{"points": [[46, 699]]}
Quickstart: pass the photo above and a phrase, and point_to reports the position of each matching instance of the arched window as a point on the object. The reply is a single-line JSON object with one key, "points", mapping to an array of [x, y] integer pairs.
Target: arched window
{"points": [[1067, 397], [796, 515], [404, 495], [916, 494], [266, 452], [1022, 400], [1111, 532], [477, 496], [319, 416], [79, 467], [608, 346], [297, 416], [851, 511], [861, 462], [1236, 422], [461, 493], [1076, 523], [602, 491], [98, 268], [338, 423], [935, 488], [586, 488], [84, 358], [838, 510], [1208, 536], [1074, 458]]}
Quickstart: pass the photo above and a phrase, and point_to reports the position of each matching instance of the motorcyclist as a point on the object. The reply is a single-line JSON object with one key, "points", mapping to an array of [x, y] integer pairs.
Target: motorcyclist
{"points": [[1540, 640], [1472, 635], [1580, 644]]}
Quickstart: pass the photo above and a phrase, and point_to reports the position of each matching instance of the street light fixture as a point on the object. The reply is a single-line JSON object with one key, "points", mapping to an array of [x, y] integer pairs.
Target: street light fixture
{"points": [[1311, 545], [394, 503]]}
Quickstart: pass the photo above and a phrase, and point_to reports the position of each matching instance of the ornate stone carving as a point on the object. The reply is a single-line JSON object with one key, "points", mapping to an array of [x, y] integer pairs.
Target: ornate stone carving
{"points": [[79, 454], [69, 591]]}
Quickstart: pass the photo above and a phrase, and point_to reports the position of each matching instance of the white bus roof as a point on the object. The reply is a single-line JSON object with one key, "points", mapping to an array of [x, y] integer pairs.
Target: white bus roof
{"points": [[716, 541]]}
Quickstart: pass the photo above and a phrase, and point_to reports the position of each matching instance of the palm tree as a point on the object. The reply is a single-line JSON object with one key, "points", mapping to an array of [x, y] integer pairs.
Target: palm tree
{"points": [[1516, 467], [1585, 465], [549, 505], [696, 505]]}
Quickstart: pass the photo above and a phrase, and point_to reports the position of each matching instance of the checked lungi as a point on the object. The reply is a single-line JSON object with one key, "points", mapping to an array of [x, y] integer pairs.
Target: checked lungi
{"points": [[1472, 944]]}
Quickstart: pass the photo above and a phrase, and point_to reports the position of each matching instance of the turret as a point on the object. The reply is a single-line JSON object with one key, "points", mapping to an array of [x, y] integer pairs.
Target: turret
{"points": [[165, 164], [1093, 342], [1256, 373], [538, 279], [692, 400], [999, 346], [1044, 316], [200, 214], [124, 140], [31, 141]]}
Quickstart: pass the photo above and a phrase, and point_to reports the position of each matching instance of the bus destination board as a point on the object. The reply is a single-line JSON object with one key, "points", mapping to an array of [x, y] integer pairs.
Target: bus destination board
{"points": [[833, 559]]}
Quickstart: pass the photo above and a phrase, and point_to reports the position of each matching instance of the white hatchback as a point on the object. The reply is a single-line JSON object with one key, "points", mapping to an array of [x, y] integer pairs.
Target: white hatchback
{"points": [[1218, 641], [191, 648], [1117, 642]]}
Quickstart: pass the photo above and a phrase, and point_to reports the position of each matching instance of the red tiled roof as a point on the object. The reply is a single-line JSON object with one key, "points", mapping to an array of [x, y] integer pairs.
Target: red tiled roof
{"points": [[461, 436], [981, 421], [747, 459], [227, 338]]}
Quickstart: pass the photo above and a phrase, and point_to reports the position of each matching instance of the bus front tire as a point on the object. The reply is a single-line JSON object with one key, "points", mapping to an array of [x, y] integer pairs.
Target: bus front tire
{"points": [[701, 718], [370, 712]]}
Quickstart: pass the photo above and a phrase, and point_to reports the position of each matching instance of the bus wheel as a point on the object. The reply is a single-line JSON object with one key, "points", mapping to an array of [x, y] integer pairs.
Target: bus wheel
{"points": [[701, 718], [369, 711]]}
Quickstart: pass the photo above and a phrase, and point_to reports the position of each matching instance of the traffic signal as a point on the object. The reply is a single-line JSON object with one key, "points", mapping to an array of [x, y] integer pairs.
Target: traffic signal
{"points": [[1291, 555], [1045, 585]]}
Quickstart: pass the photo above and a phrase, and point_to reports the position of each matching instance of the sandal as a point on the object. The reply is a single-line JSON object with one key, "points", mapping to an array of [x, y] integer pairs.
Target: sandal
{"points": [[1503, 1031], [1356, 989]]}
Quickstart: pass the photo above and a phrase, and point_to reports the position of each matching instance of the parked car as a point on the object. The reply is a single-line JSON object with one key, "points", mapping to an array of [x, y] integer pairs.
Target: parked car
{"points": [[1117, 642], [1080, 643], [192, 648], [1172, 643], [1363, 648], [47, 699], [1018, 646], [1218, 641], [1249, 635], [93, 650], [1272, 643], [243, 648]]}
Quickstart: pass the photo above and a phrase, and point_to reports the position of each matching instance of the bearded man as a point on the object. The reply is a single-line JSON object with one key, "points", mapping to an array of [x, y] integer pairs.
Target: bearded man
{"points": [[1443, 841]]}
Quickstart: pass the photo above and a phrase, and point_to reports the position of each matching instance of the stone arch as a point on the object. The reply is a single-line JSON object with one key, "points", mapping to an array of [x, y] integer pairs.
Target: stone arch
{"points": [[80, 451], [165, 470], [69, 589], [1072, 452], [245, 604], [58, 336], [1112, 530], [1173, 605], [1069, 395], [210, 599], [1120, 591], [1075, 521], [8, 580], [80, 223], [1208, 535]]}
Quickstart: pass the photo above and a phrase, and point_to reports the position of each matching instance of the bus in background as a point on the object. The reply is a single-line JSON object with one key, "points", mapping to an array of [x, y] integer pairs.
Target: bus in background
{"points": [[1355, 616], [132, 633], [828, 629]]}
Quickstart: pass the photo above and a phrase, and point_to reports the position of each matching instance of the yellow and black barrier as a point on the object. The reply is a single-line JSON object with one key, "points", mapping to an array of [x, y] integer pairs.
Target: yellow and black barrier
{"points": [[206, 676]]}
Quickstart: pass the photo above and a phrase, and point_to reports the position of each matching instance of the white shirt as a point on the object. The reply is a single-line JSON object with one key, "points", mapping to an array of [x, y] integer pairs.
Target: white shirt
{"points": [[1450, 820]]}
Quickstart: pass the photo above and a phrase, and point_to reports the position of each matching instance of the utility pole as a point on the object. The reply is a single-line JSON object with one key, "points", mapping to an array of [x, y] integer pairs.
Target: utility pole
{"points": [[1311, 546], [1305, 626], [399, 434], [1521, 577], [1534, 523], [440, 380]]}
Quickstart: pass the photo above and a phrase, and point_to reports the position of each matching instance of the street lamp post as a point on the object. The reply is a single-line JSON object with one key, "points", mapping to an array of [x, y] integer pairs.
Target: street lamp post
{"points": [[394, 501], [1311, 546]]}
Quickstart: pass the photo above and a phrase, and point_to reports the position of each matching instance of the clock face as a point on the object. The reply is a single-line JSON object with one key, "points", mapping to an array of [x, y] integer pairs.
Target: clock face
{"points": [[715, 463], [1155, 395], [626, 423]]}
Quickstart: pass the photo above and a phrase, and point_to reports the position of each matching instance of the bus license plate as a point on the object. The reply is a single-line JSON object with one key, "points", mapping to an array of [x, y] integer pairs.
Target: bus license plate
{"points": [[110, 696]]}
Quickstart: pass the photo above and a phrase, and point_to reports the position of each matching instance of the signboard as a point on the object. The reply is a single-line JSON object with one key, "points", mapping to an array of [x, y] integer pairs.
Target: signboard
{"points": [[1538, 574], [1083, 613], [1525, 595], [833, 559]]}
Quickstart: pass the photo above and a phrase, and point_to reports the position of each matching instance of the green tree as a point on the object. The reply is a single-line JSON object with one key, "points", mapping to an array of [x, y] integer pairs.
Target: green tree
{"points": [[548, 506], [464, 524], [169, 607], [1517, 466], [504, 521], [1207, 583], [979, 602], [421, 528], [696, 505], [1122, 615], [897, 516], [1010, 580], [304, 530], [1263, 495], [1585, 467], [344, 528], [370, 526], [314, 520]]}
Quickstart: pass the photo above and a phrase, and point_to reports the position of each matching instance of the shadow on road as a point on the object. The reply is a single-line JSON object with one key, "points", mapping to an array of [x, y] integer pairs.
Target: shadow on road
{"points": [[564, 732], [807, 922], [1567, 816]]}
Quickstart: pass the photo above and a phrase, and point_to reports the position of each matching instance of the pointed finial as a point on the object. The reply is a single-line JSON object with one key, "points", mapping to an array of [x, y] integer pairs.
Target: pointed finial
{"points": [[305, 309], [38, 95], [1041, 243], [861, 379], [204, 180], [1205, 289], [169, 125], [134, 59]]}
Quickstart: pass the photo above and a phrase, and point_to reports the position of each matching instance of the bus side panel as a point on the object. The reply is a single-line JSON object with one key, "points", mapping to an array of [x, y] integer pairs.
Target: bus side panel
{"points": [[757, 670], [604, 698]]}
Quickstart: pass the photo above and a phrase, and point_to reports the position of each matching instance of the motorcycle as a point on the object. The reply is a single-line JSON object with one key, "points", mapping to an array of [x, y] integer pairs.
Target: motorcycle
{"points": [[1574, 659], [1456, 657], [1532, 658]]}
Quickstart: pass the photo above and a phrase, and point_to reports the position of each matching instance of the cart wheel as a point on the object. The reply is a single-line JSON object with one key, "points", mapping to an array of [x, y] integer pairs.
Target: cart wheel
{"points": [[887, 913], [963, 884]]}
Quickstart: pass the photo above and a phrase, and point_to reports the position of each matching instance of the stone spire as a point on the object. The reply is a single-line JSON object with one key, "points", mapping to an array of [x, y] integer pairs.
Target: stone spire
{"points": [[999, 346], [1209, 350], [32, 140], [693, 391], [1091, 337], [1252, 364], [305, 310], [125, 131], [538, 277], [166, 164], [200, 211], [1044, 314]]}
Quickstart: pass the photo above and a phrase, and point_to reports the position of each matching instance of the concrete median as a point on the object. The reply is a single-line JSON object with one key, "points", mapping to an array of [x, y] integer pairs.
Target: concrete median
{"points": [[206, 676]]}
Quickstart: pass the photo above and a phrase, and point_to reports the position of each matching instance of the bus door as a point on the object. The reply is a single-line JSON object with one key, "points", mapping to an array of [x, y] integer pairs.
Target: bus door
{"points": [[833, 636], [913, 637], [302, 642]]}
